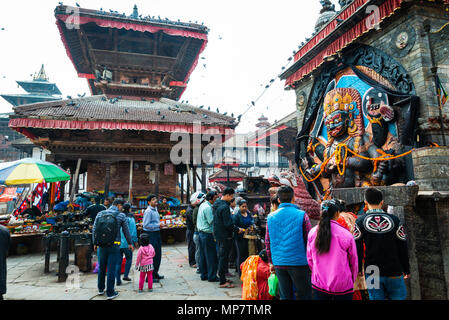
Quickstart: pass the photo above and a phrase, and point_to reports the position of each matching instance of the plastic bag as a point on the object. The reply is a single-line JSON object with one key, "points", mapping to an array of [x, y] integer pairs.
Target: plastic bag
{"points": [[273, 285]]}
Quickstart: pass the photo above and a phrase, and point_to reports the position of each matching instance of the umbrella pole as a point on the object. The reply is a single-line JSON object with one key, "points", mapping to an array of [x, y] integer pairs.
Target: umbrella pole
{"points": [[31, 195]]}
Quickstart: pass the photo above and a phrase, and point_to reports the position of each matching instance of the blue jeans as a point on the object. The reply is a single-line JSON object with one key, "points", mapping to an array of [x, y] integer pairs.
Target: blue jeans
{"points": [[129, 259], [299, 277], [392, 288], [196, 240], [208, 257], [108, 258]]}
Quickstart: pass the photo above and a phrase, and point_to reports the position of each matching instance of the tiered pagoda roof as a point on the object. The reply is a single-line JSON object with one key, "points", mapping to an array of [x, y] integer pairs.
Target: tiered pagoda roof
{"points": [[38, 90], [335, 31], [130, 55], [100, 113]]}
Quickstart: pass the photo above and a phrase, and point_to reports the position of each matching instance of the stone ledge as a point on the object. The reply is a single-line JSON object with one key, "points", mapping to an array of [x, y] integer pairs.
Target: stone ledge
{"points": [[393, 195]]}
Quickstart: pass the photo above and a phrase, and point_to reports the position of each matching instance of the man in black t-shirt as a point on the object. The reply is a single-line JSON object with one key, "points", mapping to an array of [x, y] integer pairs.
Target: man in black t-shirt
{"points": [[93, 210], [386, 250]]}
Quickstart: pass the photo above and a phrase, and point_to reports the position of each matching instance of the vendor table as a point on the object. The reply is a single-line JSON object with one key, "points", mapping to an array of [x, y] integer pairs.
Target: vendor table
{"points": [[33, 241], [179, 234]]}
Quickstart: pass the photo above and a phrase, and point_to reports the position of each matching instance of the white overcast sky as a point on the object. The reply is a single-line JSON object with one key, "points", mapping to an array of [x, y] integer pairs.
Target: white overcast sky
{"points": [[257, 38]]}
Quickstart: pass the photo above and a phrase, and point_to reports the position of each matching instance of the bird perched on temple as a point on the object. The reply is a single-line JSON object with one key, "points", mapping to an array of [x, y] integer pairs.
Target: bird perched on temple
{"points": [[126, 110], [201, 107], [152, 101], [61, 4], [103, 98], [208, 108], [158, 112], [232, 115], [205, 116], [218, 111], [339, 20], [69, 97], [239, 117], [77, 4], [253, 103], [163, 117], [81, 96]]}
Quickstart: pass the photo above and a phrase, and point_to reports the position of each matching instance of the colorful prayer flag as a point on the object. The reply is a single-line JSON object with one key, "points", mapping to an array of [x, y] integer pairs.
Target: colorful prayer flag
{"points": [[441, 92]]}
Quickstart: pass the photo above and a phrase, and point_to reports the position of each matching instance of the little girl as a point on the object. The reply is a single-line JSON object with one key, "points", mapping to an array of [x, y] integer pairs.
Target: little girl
{"points": [[144, 262]]}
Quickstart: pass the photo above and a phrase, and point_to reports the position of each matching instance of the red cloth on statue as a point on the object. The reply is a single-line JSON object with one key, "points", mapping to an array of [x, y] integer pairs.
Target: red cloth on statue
{"points": [[262, 274]]}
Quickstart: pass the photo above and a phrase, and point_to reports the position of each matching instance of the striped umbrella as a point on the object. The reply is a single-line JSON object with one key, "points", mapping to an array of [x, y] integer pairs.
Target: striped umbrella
{"points": [[29, 170]]}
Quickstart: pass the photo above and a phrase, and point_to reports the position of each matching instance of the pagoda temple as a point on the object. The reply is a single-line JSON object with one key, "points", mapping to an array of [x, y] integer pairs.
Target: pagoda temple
{"points": [[14, 146], [38, 90], [137, 68]]}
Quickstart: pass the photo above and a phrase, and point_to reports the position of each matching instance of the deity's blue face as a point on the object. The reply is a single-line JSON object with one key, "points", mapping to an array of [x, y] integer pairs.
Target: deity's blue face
{"points": [[337, 123]]}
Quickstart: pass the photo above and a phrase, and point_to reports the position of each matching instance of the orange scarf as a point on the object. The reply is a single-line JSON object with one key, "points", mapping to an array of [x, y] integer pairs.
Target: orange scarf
{"points": [[249, 271]]}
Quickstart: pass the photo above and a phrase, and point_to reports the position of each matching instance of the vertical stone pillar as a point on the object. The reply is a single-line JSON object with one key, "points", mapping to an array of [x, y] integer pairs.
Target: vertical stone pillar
{"points": [[63, 256], [442, 217], [414, 284]]}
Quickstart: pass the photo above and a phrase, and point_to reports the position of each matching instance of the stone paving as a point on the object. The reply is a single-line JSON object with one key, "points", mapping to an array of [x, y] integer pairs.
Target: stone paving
{"points": [[26, 280]]}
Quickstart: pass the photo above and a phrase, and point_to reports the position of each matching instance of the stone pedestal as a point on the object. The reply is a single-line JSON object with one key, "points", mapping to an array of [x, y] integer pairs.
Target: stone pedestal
{"points": [[431, 168]]}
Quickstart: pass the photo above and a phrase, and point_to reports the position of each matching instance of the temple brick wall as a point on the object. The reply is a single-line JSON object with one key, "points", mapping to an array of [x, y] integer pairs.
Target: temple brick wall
{"points": [[120, 179]]}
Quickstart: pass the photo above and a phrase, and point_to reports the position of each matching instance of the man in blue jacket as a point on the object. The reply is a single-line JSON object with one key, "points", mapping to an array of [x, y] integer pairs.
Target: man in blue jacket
{"points": [[151, 225], [286, 243]]}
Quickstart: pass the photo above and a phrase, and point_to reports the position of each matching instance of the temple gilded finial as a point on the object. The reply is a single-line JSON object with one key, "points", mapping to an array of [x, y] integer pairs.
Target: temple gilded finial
{"points": [[41, 76], [135, 12]]}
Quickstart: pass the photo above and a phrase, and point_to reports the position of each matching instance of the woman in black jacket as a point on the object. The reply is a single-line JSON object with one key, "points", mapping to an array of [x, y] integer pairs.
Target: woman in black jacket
{"points": [[244, 220]]}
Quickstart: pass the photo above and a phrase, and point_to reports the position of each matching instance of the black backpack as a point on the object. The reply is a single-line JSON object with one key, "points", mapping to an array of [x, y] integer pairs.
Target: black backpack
{"points": [[106, 230]]}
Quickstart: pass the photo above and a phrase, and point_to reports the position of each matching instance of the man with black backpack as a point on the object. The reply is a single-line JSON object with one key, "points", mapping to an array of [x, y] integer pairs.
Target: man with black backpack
{"points": [[106, 235]]}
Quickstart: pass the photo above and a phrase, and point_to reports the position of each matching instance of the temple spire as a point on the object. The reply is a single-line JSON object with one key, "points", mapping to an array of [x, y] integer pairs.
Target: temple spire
{"points": [[135, 12], [327, 12], [41, 76]]}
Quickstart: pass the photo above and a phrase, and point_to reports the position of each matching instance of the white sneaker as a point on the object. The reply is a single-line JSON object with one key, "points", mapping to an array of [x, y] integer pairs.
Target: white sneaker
{"points": [[114, 295], [100, 293]]}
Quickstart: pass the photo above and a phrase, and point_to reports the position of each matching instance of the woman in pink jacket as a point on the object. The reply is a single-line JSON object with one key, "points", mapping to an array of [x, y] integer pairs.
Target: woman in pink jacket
{"points": [[332, 256], [144, 262]]}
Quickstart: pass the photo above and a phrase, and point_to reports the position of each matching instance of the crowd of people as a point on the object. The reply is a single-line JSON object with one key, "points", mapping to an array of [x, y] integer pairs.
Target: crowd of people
{"points": [[326, 262]]}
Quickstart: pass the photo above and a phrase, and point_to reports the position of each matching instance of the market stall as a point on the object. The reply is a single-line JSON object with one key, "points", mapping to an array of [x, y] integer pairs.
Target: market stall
{"points": [[27, 231], [173, 228]]}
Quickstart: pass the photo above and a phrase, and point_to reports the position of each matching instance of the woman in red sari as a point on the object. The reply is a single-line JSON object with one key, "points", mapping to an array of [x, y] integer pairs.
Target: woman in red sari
{"points": [[263, 272]]}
